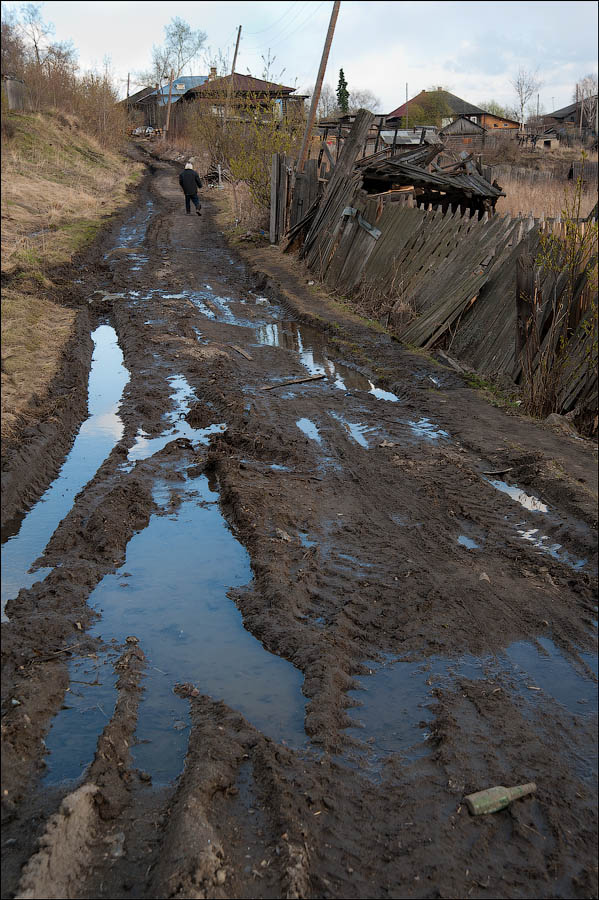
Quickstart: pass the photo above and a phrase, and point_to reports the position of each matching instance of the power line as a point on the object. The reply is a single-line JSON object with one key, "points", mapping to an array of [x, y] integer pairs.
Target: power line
{"points": [[281, 39], [302, 25], [268, 27], [277, 37]]}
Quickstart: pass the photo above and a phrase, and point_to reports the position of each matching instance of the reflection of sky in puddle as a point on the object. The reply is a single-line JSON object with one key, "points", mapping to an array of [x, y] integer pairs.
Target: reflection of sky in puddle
{"points": [[380, 394], [396, 695], [426, 429], [309, 429], [311, 347], [94, 442], [356, 430], [178, 427], [177, 573], [543, 542], [468, 542], [528, 502], [87, 709], [134, 232], [553, 549]]}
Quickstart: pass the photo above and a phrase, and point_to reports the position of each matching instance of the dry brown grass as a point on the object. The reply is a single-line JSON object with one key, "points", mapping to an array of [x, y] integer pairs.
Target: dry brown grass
{"points": [[545, 198], [57, 185], [34, 334], [238, 212]]}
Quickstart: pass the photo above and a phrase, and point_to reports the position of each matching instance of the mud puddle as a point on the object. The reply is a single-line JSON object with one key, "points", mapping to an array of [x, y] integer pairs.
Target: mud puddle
{"points": [[312, 348], [172, 594], [133, 232], [176, 425], [98, 435], [395, 697], [558, 529]]}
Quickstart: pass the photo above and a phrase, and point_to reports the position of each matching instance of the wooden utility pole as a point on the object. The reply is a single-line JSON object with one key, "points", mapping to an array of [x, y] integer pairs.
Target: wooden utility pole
{"points": [[317, 88], [168, 109], [230, 89], [407, 109]]}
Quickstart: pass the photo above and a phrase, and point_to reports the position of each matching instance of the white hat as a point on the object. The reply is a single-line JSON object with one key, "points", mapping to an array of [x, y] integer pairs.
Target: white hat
{"points": [[188, 166]]}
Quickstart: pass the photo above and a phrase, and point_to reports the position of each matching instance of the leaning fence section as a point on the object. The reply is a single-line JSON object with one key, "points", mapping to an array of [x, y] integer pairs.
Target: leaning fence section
{"points": [[438, 277]]}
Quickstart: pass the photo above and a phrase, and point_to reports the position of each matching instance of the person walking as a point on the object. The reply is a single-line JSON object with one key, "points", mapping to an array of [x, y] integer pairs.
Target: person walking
{"points": [[190, 182]]}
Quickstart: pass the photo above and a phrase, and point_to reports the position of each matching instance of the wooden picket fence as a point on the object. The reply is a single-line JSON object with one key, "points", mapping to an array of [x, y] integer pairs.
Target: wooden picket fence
{"points": [[456, 274]]}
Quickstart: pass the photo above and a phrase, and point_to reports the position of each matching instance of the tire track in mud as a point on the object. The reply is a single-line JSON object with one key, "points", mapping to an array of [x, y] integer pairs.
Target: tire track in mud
{"points": [[356, 563]]}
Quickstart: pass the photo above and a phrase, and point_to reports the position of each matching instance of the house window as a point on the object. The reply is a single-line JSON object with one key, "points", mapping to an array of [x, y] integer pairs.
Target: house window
{"points": [[467, 140], [180, 87], [495, 125]]}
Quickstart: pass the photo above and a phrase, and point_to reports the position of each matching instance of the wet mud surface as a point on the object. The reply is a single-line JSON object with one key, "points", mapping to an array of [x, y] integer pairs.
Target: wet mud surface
{"points": [[264, 633]]}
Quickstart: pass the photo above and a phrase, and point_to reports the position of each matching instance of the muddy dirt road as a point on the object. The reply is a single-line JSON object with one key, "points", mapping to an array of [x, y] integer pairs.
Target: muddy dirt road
{"points": [[279, 628]]}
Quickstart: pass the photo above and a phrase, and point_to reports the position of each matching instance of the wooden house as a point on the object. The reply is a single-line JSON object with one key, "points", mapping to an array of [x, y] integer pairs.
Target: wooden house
{"points": [[463, 134], [492, 122], [245, 95], [449, 106], [569, 117]]}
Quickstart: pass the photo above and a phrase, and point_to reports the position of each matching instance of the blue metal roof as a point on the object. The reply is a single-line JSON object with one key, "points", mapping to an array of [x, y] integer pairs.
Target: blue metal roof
{"points": [[180, 86]]}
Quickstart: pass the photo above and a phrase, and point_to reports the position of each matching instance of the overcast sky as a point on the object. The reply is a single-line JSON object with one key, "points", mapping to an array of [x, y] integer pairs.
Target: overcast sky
{"points": [[472, 49]]}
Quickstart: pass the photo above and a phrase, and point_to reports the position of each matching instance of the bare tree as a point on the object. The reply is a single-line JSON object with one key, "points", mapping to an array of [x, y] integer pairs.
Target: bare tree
{"points": [[587, 94], [363, 99], [268, 73], [181, 47], [12, 46], [327, 104], [219, 60], [36, 31], [525, 84]]}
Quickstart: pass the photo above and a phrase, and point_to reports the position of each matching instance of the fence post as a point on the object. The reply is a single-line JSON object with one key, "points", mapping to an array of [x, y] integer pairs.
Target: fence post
{"points": [[274, 178]]}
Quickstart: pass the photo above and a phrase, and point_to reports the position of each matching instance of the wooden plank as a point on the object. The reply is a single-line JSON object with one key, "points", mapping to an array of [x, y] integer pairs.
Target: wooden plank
{"points": [[362, 247], [525, 302], [240, 350], [274, 186], [282, 196], [271, 387], [346, 236]]}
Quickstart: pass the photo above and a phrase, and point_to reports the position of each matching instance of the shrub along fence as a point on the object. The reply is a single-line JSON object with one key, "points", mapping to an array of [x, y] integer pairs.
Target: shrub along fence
{"points": [[449, 281]]}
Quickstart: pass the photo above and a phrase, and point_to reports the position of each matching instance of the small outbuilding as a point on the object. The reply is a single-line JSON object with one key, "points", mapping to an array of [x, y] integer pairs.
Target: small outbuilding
{"points": [[463, 134]]}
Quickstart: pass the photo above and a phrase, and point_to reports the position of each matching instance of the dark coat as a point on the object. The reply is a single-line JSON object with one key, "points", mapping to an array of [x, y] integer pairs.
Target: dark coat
{"points": [[190, 182]]}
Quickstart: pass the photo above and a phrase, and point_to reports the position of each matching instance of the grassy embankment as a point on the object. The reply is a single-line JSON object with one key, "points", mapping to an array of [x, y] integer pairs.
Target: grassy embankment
{"points": [[58, 188]]}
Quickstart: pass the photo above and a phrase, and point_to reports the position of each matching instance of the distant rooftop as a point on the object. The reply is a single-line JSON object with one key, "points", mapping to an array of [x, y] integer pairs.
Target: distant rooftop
{"points": [[458, 106], [180, 86], [245, 83]]}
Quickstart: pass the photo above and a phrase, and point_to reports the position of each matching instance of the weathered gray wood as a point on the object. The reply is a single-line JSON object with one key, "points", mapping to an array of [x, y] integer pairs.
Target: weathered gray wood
{"points": [[525, 308], [274, 187], [282, 197]]}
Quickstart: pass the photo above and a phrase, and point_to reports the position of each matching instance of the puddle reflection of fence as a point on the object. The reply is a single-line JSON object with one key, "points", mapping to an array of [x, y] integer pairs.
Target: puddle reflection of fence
{"points": [[98, 435]]}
